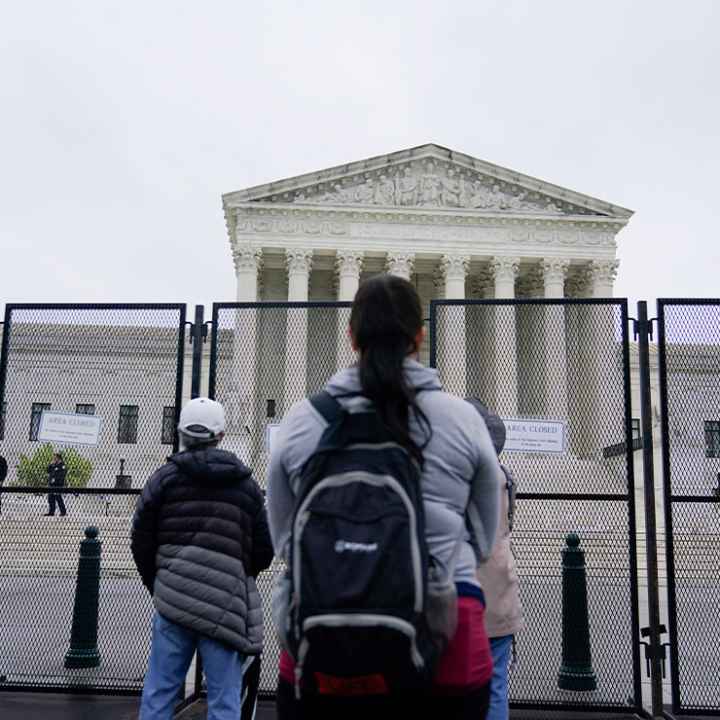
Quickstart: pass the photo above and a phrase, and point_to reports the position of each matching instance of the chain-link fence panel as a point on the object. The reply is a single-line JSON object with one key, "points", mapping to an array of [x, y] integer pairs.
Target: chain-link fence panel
{"points": [[689, 363], [264, 358], [558, 373], [101, 383], [38, 591]]}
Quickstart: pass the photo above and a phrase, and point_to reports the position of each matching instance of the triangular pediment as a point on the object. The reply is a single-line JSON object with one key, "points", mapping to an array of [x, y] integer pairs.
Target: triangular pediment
{"points": [[423, 178]]}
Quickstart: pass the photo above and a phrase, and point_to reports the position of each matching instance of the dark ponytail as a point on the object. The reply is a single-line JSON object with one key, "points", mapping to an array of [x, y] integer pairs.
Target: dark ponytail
{"points": [[385, 320]]}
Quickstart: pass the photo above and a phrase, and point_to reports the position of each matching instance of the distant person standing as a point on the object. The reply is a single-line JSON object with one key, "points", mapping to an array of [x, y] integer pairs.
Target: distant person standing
{"points": [[57, 472]]}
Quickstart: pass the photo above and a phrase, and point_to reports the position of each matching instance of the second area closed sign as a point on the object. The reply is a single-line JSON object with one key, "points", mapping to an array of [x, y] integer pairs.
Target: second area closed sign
{"points": [[546, 437]]}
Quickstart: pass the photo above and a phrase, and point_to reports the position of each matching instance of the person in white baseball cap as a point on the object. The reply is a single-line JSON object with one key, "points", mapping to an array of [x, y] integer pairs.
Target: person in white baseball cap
{"points": [[199, 539], [202, 422]]}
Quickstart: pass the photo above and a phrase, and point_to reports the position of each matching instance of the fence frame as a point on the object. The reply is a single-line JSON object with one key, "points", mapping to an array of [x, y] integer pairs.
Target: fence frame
{"points": [[628, 498], [669, 499], [72, 687]]}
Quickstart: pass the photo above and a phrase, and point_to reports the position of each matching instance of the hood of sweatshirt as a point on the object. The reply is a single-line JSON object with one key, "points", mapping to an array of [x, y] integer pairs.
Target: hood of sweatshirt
{"points": [[210, 465], [417, 376]]}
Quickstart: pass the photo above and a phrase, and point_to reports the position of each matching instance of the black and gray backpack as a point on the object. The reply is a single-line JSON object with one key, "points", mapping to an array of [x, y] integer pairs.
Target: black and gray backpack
{"points": [[358, 563]]}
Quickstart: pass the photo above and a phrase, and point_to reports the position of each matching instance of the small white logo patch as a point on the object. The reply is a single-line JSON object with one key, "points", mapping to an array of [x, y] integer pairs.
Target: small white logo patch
{"points": [[347, 546]]}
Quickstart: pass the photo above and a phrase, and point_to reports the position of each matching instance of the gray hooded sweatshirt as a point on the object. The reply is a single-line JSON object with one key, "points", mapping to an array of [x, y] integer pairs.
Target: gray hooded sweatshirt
{"points": [[461, 477]]}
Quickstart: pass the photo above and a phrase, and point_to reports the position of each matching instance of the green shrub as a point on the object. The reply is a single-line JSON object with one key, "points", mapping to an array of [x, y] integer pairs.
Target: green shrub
{"points": [[32, 471]]}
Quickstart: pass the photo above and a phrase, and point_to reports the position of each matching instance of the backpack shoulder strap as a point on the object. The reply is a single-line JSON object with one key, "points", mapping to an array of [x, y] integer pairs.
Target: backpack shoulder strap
{"points": [[330, 409]]}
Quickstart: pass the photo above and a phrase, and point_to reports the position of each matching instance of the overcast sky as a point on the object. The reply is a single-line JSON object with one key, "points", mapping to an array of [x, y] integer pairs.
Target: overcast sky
{"points": [[122, 123]]}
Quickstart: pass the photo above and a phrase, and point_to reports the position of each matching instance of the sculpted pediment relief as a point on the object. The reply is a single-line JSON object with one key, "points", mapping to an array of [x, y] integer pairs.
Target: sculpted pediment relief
{"points": [[428, 183]]}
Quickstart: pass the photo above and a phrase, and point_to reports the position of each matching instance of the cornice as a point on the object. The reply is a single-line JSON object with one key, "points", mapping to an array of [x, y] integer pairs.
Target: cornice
{"points": [[436, 216]]}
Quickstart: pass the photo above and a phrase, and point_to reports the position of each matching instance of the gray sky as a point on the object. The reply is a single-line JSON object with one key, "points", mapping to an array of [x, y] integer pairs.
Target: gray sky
{"points": [[122, 123]]}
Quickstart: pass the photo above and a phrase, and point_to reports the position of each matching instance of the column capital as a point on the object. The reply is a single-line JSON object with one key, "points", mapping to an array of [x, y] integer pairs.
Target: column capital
{"points": [[247, 259], [481, 285], [299, 261], [505, 267], [554, 269], [348, 263], [454, 266], [531, 285], [576, 285], [603, 271], [400, 263]]}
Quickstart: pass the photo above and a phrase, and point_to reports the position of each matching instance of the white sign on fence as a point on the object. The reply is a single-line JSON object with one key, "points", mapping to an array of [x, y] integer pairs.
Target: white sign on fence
{"points": [[545, 437], [69, 428], [271, 430]]}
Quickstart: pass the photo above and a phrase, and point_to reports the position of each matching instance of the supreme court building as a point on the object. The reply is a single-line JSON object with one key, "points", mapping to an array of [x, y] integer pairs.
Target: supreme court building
{"points": [[456, 227]]}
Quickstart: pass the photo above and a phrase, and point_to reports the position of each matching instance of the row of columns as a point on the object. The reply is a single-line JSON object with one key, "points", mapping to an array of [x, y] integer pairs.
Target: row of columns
{"points": [[499, 332]]}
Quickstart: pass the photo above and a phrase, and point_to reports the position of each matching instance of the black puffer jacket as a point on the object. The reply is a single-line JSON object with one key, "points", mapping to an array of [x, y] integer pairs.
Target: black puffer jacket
{"points": [[199, 539]]}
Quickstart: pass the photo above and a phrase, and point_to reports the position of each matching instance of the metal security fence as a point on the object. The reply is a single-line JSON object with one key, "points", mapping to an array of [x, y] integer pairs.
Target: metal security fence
{"points": [[121, 365], [37, 592], [265, 357], [559, 364], [115, 371], [689, 364]]}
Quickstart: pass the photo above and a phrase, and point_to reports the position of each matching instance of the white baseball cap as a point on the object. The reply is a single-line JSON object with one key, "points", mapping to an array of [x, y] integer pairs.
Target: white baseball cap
{"points": [[202, 418]]}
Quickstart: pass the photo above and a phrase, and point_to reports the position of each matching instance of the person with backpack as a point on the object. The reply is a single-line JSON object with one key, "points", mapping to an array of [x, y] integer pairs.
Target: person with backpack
{"points": [[199, 539], [378, 488], [499, 580]]}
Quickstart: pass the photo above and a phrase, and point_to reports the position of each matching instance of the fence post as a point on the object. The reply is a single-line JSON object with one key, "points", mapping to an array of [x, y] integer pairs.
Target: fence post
{"points": [[83, 651], [576, 672], [655, 651], [197, 337]]}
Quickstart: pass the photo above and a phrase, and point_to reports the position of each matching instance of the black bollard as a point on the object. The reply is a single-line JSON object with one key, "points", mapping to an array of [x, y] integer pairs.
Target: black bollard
{"points": [[576, 672], [83, 651]]}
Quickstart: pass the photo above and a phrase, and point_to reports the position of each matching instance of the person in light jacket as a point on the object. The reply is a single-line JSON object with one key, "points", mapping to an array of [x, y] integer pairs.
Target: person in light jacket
{"points": [[499, 580]]}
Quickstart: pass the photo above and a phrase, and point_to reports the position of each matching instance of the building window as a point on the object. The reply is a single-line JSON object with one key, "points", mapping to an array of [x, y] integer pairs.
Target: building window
{"points": [[127, 424], [168, 425], [271, 408], [84, 409], [636, 429], [712, 438], [35, 415]]}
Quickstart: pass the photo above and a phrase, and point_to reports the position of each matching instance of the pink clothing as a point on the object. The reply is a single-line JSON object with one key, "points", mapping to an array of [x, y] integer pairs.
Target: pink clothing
{"points": [[465, 665]]}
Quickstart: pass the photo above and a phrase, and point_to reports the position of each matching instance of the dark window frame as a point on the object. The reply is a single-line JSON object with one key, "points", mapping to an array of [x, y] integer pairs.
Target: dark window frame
{"points": [[36, 412], [81, 408], [128, 417], [712, 438], [167, 435]]}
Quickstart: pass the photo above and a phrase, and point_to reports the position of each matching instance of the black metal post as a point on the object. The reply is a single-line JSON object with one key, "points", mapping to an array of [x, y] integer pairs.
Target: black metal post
{"points": [[576, 672], [83, 651], [197, 337], [643, 330]]}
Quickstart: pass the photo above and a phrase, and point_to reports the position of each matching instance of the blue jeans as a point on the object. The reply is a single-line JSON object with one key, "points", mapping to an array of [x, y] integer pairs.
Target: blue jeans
{"points": [[500, 648], [172, 651]]}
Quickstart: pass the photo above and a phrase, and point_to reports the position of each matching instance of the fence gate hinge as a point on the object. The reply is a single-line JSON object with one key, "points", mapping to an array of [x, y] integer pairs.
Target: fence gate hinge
{"points": [[640, 327], [203, 331], [654, 649]]}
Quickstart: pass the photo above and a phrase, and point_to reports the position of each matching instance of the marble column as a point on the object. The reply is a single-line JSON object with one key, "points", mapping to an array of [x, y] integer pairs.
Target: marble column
{"points": [[529, 331], [479, 340], [555, 380], [348, 264], [606, 396], [299, 265], [237, 389], [451, 329], [400, 264], [505, 271]]}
